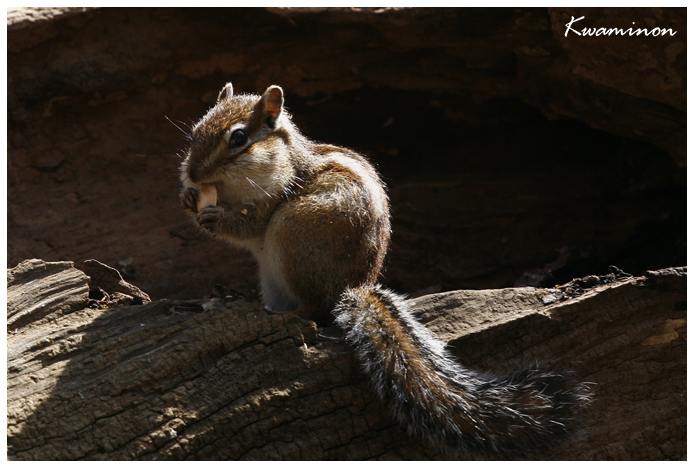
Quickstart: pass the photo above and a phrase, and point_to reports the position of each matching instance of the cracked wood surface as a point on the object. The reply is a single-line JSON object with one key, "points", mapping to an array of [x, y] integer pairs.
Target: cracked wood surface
{"points": [[222, 379]]}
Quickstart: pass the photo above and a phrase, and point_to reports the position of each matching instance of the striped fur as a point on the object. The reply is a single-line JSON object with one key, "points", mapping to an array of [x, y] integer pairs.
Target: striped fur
{"points": [[316, 217], [444, 403]]}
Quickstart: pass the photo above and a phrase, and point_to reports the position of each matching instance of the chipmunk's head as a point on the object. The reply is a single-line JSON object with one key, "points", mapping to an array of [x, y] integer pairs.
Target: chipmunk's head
{"points": [[241, 141]]}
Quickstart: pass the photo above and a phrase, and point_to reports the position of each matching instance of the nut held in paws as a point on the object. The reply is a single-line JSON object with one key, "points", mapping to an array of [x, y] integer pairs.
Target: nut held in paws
{"points": [[207, 196]]}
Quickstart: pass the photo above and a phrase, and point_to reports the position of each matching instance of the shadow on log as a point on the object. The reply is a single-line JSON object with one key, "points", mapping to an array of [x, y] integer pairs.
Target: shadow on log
{"points": [[220, 378]]}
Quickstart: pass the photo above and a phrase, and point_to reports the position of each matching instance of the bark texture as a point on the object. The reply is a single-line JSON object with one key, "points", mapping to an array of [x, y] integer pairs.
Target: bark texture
{"points": [[220, 378]]}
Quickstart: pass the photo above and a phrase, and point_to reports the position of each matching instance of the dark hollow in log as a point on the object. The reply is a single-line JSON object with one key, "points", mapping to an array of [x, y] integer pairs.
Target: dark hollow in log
{"points": [[513, 155]]}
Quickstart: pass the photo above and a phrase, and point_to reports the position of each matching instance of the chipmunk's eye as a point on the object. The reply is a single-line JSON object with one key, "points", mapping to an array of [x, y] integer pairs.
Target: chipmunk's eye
{"points": [[237, 139]]}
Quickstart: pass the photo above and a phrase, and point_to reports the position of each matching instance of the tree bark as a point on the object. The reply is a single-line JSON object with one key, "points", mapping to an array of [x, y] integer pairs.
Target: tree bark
{"points": [[220, 378]]}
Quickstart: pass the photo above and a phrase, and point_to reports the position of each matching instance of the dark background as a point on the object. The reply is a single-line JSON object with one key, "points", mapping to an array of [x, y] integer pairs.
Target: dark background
{"points": [[513, 155]]}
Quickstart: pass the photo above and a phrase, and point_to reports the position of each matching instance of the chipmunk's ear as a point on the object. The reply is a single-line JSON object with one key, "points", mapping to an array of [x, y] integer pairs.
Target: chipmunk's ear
{"points": [[226, 92], [271, 104]]}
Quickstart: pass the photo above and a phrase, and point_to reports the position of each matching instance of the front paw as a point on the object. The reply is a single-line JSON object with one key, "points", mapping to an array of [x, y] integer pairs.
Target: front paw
{"points": [[189, 199], [210, 217]]}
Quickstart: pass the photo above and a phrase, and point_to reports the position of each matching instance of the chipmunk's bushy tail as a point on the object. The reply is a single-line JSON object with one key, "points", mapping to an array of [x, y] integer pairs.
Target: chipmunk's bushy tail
{"points": [[439, 400]]}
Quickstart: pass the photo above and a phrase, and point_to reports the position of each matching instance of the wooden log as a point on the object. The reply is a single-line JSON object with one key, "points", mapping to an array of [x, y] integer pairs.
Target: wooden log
{"points": [[110, 279], [220, 378], [37, 290]]}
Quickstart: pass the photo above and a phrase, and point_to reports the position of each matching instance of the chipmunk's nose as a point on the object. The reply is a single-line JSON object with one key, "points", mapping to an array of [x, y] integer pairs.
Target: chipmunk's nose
{"points": [[193, 174], [196, 171]]}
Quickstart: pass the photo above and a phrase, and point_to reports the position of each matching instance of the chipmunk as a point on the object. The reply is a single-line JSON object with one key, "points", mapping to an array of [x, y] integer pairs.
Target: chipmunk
{"points": [[316, 217]]}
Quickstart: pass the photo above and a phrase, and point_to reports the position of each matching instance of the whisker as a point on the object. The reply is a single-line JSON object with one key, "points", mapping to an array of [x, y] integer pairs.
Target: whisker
{"points": [[261, 188], [184, 132]]}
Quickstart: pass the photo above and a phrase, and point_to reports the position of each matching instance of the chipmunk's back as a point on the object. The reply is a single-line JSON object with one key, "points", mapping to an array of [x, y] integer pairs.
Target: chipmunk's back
{"points": [[316, 217]]}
